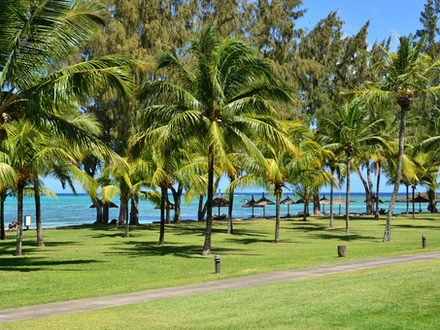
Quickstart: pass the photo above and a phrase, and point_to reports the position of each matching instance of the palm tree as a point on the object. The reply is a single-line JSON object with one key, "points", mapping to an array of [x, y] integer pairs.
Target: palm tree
{"points": [[279, 165], [406, 74], [347, 132], [36, 40], [221, 100], [8, 179]]}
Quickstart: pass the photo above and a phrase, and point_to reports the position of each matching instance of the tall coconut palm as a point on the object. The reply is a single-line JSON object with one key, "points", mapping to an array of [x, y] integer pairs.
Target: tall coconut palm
{"points": [[222, 99], [347, 131], [406, 74]]}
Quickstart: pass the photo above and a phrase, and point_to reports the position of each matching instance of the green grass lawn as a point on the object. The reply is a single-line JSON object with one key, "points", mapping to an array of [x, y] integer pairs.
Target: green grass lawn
{"points": [[396, 297], [91, 261]]}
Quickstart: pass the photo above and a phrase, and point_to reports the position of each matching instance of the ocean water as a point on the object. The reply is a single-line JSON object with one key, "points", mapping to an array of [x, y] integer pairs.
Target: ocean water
{"points": [[75, 210]]}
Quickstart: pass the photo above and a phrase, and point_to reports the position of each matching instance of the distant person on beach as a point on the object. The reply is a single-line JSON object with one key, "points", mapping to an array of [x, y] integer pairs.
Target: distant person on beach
{"points": [[13, 225]]}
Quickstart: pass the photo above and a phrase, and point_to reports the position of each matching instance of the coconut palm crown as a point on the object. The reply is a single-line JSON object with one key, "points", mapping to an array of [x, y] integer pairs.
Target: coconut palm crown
{"points": [[223, 100], [37, 40]]}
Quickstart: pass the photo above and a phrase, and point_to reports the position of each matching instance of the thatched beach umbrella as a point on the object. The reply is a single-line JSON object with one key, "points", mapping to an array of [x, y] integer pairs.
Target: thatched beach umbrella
{"points": [[172, 207], [420, 199], [324, 201], [110, 204], [251, 204], [339, 201], [219, 202], [287, 201], [263, 201]]}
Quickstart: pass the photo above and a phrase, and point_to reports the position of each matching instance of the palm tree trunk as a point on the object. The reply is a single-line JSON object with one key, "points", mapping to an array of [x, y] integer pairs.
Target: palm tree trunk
{"points": [[376, 215], [40, 241], [134, 209], [413, 202], [20, 187], [316, 205], [200, 213], [370, 200], [407, 199], [167, 209], [347, 202], [98, 207], [387, 233], [207, 244], [277, 217], [177, 196], [230, 206], [306, 203], [162, 215], [105, 213], [432, 207], [2, 216], [122, 210], [331, 201], [127, 223]]}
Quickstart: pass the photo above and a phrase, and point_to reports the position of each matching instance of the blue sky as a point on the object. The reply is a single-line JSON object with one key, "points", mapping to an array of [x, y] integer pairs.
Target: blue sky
{"points": [[387, 18]]}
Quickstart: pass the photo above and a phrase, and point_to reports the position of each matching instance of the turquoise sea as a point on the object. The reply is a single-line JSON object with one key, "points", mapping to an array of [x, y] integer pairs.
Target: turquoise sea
{"points": [[75, 210]]}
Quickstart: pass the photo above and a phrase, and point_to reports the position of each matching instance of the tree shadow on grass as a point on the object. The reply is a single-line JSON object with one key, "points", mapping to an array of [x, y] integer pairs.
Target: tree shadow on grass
{"points": [[31, 264], [28, 246], [344, 237], [137, 249], [416, 227], [246, 241], [308, 226]]}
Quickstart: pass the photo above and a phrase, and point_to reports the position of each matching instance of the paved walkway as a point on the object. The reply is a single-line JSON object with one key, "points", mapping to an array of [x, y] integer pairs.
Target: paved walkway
{"points": [[88, 304]]}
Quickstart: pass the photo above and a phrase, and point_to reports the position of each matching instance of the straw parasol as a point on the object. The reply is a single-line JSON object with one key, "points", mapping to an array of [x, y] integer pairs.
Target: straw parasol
{"points": [[263, 201], [171, 206], [420, 199], [324, 201], [339, 201], [287, 201], [251, 204], [110, 204], [219, 202]]}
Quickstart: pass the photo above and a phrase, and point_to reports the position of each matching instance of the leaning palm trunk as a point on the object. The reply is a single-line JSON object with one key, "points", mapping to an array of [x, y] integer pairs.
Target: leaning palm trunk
{"points": [[207, 244], [177, 196], [20, 187], [432, 207], [277, 218], [376, 215], [387, 233], [407, 199], [331, 201], [40, 241], [162, 215], [231, 202], [347, 202]]}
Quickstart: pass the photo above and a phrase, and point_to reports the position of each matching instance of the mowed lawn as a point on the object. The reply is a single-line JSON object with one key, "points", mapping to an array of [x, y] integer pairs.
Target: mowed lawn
{"points": [[396, 297], [90, 261]]}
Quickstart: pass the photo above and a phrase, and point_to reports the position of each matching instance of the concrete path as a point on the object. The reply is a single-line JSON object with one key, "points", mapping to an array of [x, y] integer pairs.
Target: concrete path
{"points": [[88, 304]]}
